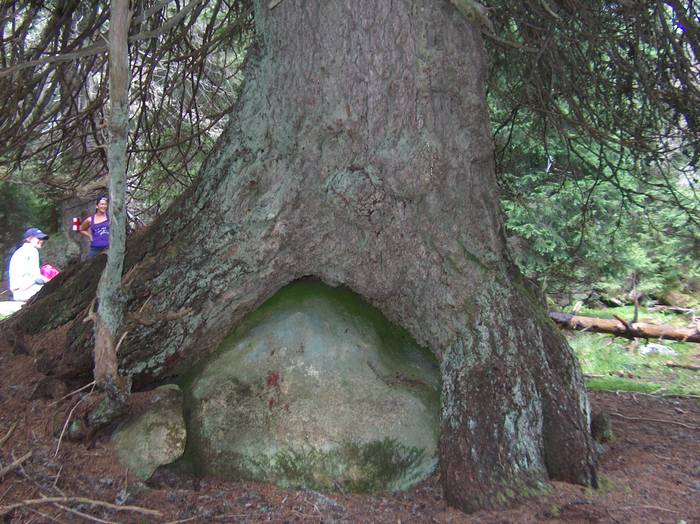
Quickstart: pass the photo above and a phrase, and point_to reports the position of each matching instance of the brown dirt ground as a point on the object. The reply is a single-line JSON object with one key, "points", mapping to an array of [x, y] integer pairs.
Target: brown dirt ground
{"points": [[650, 473]]}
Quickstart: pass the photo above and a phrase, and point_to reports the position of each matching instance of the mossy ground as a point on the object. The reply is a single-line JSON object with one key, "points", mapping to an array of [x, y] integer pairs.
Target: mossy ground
{"points": [[373, 467]]}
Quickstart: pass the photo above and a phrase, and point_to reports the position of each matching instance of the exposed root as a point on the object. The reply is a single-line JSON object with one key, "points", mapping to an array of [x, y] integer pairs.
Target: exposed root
{"points": [[4, 510], [8, 435], [642, 419], [17, 463]]}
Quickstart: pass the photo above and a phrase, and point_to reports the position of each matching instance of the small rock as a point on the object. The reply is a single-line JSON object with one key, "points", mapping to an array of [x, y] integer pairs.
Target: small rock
{"points": [[658, 349], [121, 497], [106, 482]]}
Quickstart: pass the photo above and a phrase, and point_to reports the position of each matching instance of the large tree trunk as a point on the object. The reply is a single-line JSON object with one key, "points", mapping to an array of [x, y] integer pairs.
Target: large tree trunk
{"points": [[360, 153]]}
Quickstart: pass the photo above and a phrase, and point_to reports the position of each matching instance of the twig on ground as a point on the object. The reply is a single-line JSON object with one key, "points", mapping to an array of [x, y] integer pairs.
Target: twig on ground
{"points": [[4, 510], [642, 419], [17, 463], [654, 393], [57, 477], [217, 517], [47, 517], [73, 393], [692, 367], [645, 506], [84, 515], [6, 492], [8, 435], [60, 438]]}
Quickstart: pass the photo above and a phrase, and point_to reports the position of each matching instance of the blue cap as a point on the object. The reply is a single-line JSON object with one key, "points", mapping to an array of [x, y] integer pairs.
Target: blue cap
{"points": [[35, 232]]}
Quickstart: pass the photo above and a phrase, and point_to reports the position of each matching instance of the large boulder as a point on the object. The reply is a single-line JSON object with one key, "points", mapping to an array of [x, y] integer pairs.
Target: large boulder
{"points": [[315, 389]]}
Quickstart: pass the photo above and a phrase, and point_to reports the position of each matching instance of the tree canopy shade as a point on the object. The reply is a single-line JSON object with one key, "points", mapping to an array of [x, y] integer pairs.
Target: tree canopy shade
{"points": [[594, 109], [611, 87], [184, 65]]}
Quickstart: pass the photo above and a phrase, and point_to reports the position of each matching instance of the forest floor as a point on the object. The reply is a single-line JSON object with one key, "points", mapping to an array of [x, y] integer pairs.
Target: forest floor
{"points": [[649, 473]]}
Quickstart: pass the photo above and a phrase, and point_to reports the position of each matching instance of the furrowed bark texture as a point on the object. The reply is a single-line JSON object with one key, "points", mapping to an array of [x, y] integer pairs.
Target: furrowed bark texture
{"points": [[360, 153]]}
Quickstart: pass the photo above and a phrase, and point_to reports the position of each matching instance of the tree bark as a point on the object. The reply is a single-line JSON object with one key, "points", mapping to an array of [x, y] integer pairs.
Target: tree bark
{"points": [[108, 321], [360, 153]]}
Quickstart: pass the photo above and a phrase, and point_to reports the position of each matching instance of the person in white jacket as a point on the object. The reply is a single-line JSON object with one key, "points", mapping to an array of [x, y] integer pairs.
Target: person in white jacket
{"points": [[24, 271]]}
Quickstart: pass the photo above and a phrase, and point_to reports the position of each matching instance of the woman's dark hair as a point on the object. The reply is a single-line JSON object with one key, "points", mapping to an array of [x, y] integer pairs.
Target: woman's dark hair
{"points": [[100, 199]]}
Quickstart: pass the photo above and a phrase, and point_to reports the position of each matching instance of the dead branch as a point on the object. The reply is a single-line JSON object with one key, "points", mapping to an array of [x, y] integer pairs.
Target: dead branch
{"points": [[17, 463], [84, 515], [692, 367], [642, 419], [674, 309], [621, 328], [8, 435], [644, 506], [4, 510], [65, 425], [73, 392]]}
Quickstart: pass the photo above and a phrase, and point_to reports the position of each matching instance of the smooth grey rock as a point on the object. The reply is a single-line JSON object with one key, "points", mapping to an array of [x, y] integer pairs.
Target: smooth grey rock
{"points": [[316, 389], [156, 437], [658, 349]]}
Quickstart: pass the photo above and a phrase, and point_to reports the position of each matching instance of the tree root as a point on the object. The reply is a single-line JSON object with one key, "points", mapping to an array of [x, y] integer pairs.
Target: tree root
{"points": [[17, 463], [642, 419], [8, 435], [4, 510]]}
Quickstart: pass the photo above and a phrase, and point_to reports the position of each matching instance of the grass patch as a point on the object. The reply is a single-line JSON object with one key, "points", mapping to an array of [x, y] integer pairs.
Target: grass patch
{"points": [[636, 386], [645, 315], [605, 486], [626, 368]]}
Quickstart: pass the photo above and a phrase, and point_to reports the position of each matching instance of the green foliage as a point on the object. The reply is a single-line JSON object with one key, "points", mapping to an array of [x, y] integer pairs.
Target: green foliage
{"points": [[596, 164], [20, 208], [580, 227], [619, 366]]}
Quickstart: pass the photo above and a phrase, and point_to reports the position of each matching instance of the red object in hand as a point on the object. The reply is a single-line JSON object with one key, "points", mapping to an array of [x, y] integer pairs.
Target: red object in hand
{"points": [[76, 223], [48, 271]]}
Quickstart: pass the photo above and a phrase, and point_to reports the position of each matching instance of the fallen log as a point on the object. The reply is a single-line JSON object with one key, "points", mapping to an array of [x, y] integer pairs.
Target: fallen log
{"points": [[691, 367], [621, 328]]}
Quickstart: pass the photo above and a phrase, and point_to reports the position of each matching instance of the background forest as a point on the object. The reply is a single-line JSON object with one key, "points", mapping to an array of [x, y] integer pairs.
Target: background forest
{"points": [[594, 114]]}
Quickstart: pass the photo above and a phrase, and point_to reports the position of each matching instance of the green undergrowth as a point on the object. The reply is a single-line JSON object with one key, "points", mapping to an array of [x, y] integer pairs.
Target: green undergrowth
{"points": [[620, 365], [644, 315]]}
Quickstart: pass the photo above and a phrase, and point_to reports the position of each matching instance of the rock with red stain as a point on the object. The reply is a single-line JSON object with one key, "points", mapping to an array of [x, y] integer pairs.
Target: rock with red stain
{"points": [[316, 389]]}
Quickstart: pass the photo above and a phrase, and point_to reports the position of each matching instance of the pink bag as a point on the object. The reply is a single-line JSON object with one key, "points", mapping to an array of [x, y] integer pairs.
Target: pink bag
{"points": [[48, 271]]}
